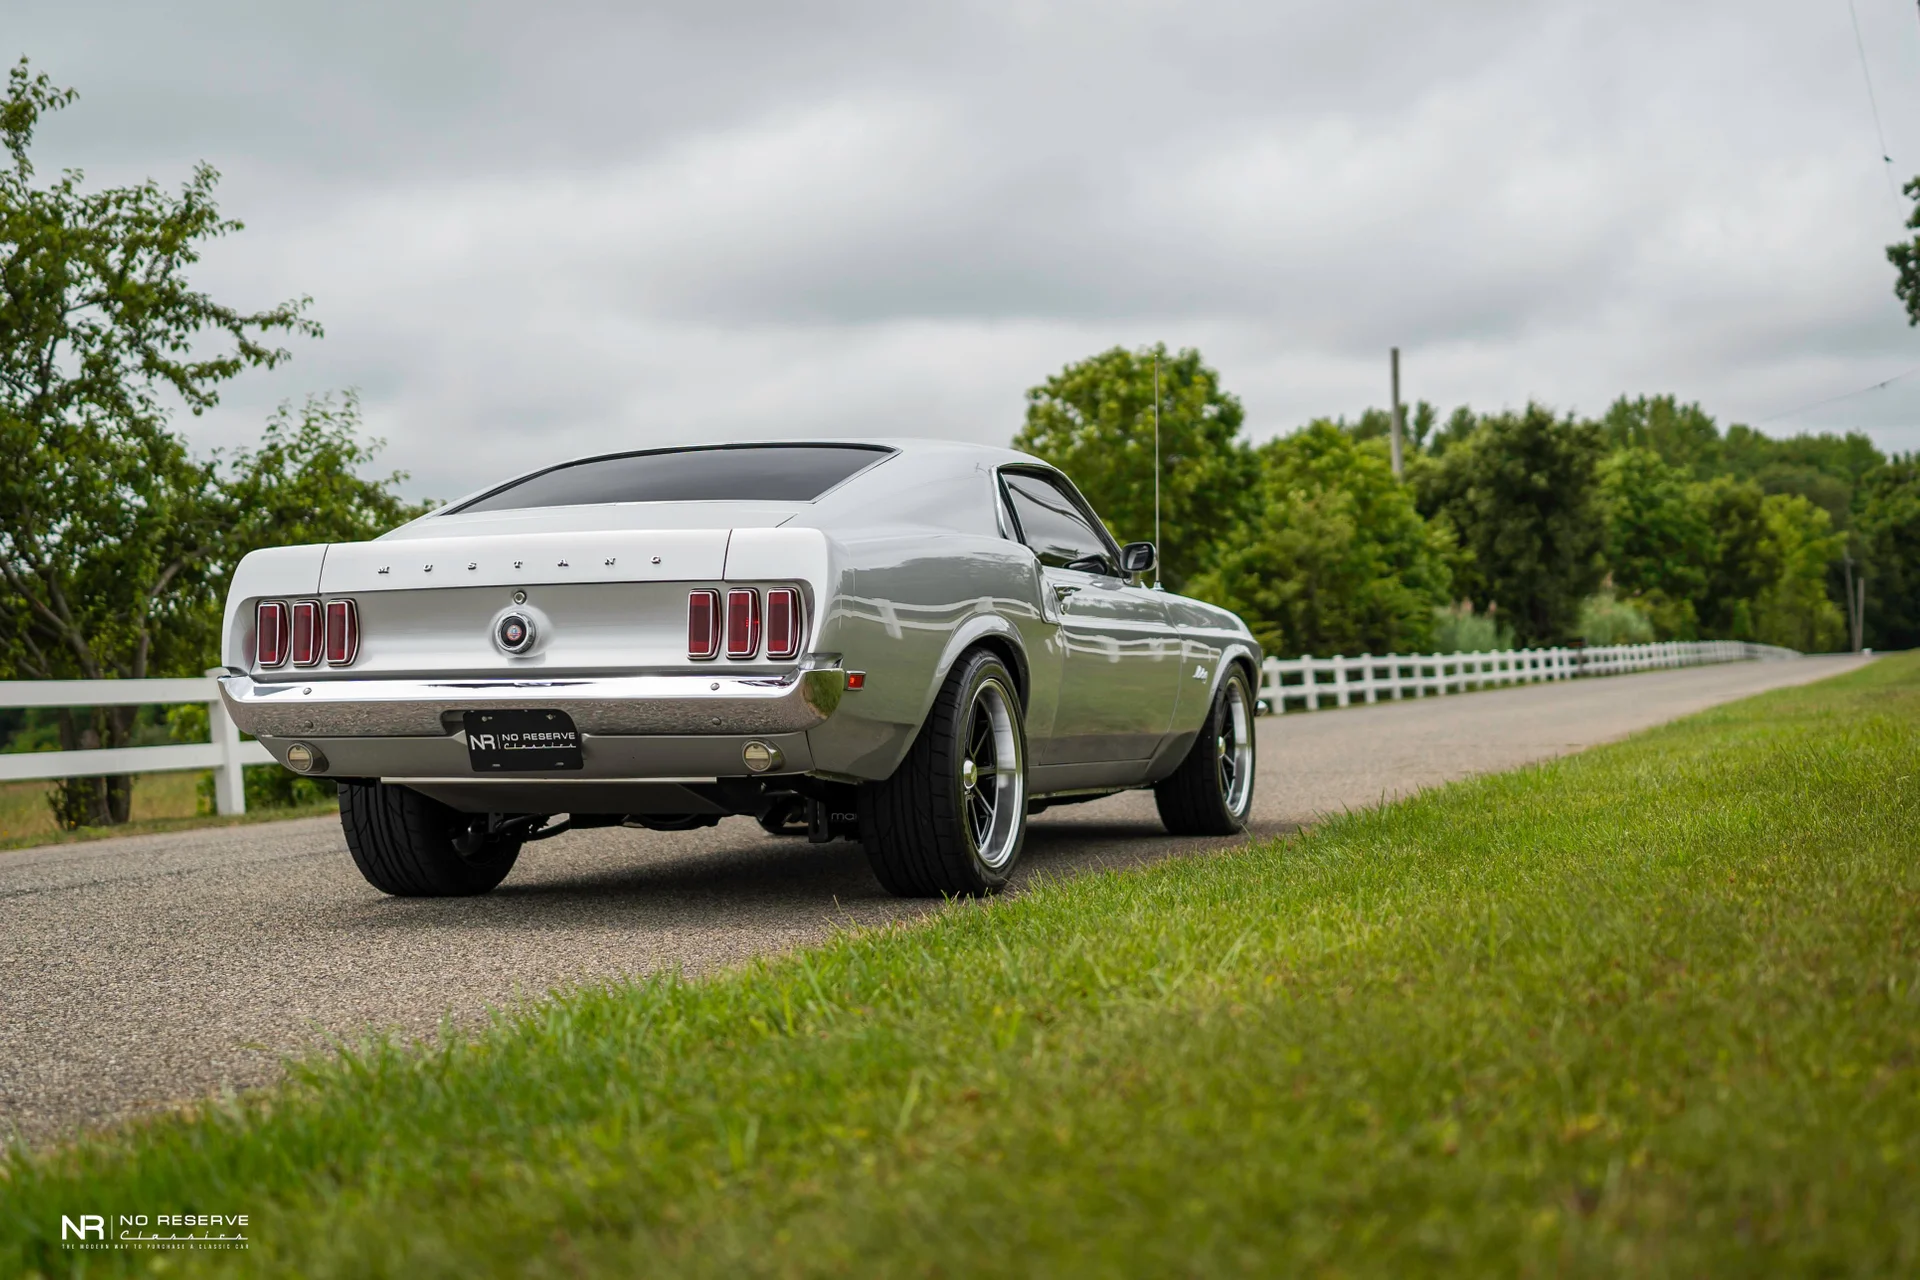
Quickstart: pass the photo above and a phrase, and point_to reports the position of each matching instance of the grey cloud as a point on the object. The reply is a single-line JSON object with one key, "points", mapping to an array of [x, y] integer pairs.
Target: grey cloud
{"points": [[561, 228]]}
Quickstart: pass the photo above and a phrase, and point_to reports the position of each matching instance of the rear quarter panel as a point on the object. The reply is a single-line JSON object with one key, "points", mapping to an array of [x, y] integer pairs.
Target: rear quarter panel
{"points": [[914, 602]]}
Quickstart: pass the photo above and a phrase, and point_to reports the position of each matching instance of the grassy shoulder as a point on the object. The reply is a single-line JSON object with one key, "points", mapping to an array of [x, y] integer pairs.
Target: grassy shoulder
{"points": [[1654, 1008], [161, 802]]}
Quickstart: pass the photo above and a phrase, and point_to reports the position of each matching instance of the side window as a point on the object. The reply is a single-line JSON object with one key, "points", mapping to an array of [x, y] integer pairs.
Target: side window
{"points": [[1052, 525]]}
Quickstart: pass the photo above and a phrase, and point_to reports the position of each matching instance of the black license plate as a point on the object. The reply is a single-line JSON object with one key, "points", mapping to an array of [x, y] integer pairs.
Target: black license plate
{"points": [[516, 741]]}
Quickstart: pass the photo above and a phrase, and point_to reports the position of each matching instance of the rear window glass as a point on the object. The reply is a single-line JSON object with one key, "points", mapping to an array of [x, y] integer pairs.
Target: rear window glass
{"points": [[749, 473]]}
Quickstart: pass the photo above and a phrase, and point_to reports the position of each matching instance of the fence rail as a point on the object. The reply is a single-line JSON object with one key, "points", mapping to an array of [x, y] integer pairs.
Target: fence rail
{"points": [[1313, 683], [226, 755], [1307, 683]]}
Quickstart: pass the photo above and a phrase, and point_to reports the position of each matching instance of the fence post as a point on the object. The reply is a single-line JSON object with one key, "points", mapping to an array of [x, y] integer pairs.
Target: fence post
{"points": [[229, 779]]}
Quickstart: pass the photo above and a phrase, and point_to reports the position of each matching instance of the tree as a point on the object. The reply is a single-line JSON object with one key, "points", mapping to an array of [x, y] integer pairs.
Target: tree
{"points": [[1905, 258], [301, 484], [1658, 541], [1520, 495], [1682, 435], [1459, 427], [1794, 610], [1741, 563], [1416, 424], [1335, 558], [1889, 532], [1767, 574], [1094, 420], [106, 523]]}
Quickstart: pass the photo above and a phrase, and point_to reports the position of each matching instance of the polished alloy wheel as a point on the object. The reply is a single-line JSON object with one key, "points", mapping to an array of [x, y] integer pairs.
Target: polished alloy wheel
{"points": [[1233, 747], [993, 783]]}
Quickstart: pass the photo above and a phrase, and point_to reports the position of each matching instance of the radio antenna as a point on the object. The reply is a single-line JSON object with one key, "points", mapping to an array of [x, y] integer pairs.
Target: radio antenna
{"points": [[1156, 468]]}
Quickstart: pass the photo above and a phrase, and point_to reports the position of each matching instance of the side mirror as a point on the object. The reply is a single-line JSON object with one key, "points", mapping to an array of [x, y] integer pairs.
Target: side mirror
{"points": [[1138, 557]]}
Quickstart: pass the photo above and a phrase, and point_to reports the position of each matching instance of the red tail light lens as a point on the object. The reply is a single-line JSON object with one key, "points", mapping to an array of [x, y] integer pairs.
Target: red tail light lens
{"points": [[270, 633], [307, 635], [343, 632], [703, 624], [743, 622], [783, 623]]}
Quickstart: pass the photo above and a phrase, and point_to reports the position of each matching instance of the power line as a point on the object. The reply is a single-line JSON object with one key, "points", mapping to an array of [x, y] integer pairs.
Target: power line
{"points": [[1885, 382], [1873, 104]]}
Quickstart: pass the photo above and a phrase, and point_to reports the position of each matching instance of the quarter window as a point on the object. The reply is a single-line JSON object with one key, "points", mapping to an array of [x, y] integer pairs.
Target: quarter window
{"points": [[1052, 524]]}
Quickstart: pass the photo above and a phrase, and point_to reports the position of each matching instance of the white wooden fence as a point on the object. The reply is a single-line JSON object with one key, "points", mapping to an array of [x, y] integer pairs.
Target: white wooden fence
{"points": [[1304, 683], [1309, 683], [225, 755]]}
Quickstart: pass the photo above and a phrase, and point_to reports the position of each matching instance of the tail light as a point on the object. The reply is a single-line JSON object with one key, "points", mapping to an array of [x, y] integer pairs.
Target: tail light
{"points": [[783, 623], [343, 632], [743, 622], [703, 624], [270, 633], [307, 636]]}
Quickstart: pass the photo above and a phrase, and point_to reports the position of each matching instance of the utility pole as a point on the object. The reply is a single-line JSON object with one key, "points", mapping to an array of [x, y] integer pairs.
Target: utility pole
{"points": [[1853, 616], [1157, 552], [1399, 463], [1860, 611], [1856, 604]]}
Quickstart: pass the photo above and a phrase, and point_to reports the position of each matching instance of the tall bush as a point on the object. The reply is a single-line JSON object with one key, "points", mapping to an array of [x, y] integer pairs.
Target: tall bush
{"points": [[1095, 421], [1520, 497], [1335, 558]]}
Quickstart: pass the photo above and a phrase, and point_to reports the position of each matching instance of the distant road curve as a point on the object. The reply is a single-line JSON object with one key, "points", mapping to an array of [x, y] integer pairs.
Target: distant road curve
{"points": [[151, 969]]}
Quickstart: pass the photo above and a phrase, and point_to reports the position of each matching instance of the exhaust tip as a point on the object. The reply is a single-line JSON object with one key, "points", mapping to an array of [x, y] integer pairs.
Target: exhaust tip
{"points": [[303, 757], [761, 756]]}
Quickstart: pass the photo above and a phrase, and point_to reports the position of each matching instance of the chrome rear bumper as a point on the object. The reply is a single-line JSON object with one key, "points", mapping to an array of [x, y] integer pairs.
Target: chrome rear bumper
{"points": [[714, 702]]}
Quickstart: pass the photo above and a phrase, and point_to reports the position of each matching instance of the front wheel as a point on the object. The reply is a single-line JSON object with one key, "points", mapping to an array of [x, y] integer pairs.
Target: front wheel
{"points": [[1211, 793], [412, 846], [951, 820]]}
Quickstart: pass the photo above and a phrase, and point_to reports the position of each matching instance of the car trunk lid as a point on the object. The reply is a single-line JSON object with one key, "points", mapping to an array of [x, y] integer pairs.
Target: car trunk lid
{"points": [[525, 559]]}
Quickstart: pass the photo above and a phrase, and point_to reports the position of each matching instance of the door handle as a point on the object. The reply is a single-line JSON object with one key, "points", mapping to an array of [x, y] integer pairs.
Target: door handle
{"points": [[1062, 590]]}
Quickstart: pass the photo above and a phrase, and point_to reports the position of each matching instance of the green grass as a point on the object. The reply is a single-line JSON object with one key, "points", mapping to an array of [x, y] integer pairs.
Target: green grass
{"points": [[161, 802], [1653, 1009]]}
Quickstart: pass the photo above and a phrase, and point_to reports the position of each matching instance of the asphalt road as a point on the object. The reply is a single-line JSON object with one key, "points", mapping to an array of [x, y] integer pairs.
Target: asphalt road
{"points": [[142, 971]]}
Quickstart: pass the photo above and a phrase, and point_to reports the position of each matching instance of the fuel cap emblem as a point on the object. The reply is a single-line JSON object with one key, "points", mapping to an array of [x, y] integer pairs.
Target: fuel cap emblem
{"points": [[514, 633]]}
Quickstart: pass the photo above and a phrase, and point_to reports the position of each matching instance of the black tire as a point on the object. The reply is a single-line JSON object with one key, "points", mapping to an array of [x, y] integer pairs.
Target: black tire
{"points": [[403, 843], [1211, 793], [933, 829]]}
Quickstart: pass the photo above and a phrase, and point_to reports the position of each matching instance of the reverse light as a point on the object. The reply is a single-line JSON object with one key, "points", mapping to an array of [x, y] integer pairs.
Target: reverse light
{"points": [[307, 636], [743, 622], [343, 632], [270, 633], [703, 623], [783, 623]]}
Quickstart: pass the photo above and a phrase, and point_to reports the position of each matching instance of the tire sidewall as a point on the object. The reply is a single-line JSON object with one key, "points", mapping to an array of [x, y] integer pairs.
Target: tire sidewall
{"points": [[979, 670], [1217, 722]]}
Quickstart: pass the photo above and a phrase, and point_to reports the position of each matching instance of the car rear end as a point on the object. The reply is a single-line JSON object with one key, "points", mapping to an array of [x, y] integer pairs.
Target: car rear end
{"points": [[618, 671]]}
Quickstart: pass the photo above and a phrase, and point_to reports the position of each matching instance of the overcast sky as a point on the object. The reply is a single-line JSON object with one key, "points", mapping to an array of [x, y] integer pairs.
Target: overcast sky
{"points": [[540, 231]]}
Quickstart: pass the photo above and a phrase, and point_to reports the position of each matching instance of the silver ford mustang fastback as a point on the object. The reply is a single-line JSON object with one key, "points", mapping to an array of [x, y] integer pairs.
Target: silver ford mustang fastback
{"points": [[907, 643]]}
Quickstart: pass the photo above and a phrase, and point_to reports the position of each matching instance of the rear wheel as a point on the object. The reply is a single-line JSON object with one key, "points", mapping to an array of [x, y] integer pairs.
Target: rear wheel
{"points": [[411, 846], [951, 820], [1211, 793]]}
